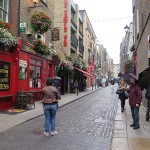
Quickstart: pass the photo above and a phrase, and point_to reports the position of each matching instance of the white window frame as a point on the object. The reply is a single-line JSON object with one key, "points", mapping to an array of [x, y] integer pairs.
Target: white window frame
{"points": [[6, 11]]}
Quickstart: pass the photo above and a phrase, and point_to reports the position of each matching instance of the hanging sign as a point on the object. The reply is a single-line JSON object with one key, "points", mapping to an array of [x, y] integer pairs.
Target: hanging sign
{"points": [[55, 34]]}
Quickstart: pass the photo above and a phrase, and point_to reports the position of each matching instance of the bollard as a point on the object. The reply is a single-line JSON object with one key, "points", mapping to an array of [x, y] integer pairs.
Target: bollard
{"points": [[77, 91]]}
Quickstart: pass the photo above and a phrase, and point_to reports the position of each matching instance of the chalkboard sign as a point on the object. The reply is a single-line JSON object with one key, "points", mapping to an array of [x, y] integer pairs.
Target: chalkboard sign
{"points": [[4, 76]]}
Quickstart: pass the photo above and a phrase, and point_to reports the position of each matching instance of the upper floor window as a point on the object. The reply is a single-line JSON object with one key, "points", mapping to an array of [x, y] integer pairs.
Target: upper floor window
{"points": [[4, 10]]}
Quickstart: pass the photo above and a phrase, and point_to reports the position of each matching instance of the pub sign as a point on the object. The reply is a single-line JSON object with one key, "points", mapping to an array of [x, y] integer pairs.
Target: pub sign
{"points": [[4, 76]]}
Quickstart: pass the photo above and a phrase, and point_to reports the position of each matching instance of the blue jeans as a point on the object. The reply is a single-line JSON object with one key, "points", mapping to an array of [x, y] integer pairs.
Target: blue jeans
{"points": [[50, 114], [135, 115]]}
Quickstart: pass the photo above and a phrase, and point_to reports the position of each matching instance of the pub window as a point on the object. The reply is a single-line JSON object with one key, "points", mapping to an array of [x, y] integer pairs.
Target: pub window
{"points": [[4, 10], [35, 73], [4, 76]]}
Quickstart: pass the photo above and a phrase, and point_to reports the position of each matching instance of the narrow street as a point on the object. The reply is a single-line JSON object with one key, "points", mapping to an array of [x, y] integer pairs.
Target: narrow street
{"points": [[86, 124]]}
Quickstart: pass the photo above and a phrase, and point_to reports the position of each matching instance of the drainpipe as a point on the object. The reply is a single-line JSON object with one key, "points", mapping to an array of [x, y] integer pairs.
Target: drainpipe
{"points": [[19, 18]]}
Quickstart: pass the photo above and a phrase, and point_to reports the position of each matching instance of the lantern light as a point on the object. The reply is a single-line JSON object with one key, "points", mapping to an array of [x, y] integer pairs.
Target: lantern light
{"points": [[35, 6], [35, 1]]}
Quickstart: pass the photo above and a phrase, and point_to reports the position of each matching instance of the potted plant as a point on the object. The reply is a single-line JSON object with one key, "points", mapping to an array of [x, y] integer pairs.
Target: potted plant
{"points": [[40, 22], [42, 48]]}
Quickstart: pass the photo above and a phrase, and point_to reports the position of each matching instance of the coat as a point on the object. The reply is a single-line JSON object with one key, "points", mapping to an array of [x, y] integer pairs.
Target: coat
{"points": [[135, 95], [51, 95]]}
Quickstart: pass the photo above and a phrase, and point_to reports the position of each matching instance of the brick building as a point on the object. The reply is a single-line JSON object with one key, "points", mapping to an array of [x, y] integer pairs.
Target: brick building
{"points": [[141, 23], [22, 67]]}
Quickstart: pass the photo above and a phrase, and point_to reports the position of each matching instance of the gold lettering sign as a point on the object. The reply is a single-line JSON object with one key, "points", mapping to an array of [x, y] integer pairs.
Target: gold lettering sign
{"points": [[4, 76], [4, 86]]}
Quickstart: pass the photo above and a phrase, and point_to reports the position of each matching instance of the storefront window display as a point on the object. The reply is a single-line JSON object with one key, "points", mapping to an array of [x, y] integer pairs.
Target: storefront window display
{"points": [[35, 74]]}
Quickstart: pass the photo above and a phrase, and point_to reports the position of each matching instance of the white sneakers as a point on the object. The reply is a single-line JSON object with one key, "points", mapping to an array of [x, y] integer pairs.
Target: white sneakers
{"points": [[46, 133], [52, 133]]}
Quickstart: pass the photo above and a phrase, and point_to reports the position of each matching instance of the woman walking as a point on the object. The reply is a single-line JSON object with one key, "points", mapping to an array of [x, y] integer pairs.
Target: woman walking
{"points": [[50, 105], [122, 97], [135, 98]]}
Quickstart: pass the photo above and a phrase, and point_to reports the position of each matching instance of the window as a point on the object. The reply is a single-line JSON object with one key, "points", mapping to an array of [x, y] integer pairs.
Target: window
{"points": [[35, 73], [4, 10]]}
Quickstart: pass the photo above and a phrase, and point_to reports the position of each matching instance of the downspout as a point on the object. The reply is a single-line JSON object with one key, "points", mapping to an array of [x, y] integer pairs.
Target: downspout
{"points": [[19, 18]]}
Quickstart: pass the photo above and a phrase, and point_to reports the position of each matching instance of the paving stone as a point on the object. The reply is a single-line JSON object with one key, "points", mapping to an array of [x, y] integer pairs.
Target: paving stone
{"points": [[85, 124]]}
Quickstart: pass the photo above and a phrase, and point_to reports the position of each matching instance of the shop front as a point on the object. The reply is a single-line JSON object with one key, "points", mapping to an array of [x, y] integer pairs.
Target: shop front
{"points": [[22, 70], [8, 79]]}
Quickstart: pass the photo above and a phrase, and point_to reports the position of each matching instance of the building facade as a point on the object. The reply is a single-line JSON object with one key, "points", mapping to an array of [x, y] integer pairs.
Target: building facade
{"points": [[22, 67], [141, 25]]}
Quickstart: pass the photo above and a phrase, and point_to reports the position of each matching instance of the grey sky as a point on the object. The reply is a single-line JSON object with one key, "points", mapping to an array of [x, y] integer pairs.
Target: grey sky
{"points": [[108, 18]]}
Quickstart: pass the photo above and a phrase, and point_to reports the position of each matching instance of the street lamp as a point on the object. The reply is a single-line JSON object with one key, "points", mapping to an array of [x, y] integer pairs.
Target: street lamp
{"points": [[126, 28], [34, 2]]}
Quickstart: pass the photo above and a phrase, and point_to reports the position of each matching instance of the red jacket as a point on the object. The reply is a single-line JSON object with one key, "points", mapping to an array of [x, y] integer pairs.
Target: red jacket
{"points": [[135, 95]]}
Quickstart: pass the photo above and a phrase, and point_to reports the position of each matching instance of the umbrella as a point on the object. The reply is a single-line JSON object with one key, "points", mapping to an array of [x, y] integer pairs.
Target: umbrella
{"points": [[144, 78], [57, 78], [126, 78], [132, 75]]}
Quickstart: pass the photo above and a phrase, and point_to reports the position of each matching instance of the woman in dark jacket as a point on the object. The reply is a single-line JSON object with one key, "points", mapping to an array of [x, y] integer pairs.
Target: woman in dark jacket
{"points": [[135, 98], [123, 88]]}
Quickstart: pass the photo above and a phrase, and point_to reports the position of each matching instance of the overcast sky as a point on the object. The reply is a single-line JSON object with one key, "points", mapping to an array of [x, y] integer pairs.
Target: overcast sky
{"points": [[108, 18]]}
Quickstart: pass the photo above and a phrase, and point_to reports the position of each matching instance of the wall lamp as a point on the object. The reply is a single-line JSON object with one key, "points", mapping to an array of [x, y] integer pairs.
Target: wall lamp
{"points": [[35, 5], [126, 28]]}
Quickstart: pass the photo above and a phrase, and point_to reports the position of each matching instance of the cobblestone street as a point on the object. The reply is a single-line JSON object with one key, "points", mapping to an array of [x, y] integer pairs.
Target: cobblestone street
{"points": [[85, 124]]}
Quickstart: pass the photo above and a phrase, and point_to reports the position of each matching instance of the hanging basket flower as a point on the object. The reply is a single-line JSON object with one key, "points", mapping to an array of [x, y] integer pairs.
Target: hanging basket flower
{"points": [[128, 66], [40, 22], [42, 47], [6, 35]]}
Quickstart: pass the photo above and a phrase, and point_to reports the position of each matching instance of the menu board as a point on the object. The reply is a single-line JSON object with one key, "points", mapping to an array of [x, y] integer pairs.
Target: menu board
{"points": [[4, 76]]}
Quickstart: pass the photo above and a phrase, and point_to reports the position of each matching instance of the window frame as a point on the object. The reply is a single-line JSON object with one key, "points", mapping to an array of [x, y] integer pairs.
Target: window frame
{"points": [[5, 11], [35, 65]]}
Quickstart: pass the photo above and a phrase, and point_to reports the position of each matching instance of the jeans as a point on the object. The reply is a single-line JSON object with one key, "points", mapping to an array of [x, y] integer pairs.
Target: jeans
{"points": [[135, 115], [122, 103], [50, 114]]}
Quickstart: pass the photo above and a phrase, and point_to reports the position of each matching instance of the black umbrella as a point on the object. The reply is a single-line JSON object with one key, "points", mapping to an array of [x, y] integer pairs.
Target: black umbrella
{"points": [[144, 78]]}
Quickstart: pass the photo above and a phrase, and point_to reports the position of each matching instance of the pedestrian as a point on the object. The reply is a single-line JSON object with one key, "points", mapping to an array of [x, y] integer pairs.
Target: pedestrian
{"points": [[76, 86], [135, 98], [50, 105], [122, 88]]}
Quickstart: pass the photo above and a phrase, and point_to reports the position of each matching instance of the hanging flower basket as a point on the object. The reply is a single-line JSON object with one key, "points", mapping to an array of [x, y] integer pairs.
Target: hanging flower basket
{"points": [[128, 66], [40, 22], [42, 47], [6, 35], [132, 48]]}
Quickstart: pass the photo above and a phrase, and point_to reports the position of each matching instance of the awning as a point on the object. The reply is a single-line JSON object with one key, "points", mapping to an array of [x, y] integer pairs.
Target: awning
{"points": [[87, 74]]}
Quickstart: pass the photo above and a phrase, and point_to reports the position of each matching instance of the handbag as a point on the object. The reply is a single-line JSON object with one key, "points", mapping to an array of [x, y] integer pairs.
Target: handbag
{"points": [[119, 91], [126, 94]]}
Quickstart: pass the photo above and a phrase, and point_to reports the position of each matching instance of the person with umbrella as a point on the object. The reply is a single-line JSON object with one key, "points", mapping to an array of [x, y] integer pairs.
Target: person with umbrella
{"points": [[122, 88], [135, 98]]}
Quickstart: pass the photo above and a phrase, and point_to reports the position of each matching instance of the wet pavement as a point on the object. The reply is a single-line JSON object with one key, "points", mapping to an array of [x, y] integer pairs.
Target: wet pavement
{"points": [[124, 137], [85, 124]]}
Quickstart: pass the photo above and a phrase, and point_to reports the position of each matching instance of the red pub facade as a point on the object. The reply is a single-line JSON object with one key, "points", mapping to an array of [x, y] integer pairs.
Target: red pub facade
{"points": [[19, 71]]}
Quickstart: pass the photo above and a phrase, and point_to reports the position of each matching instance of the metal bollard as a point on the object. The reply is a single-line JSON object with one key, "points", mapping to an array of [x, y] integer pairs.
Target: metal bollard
{"points": [[77, 91]]}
